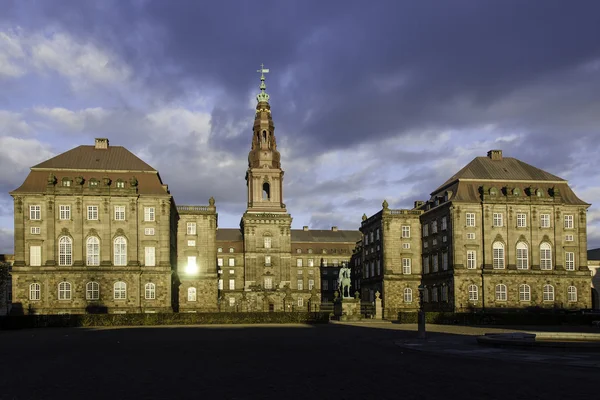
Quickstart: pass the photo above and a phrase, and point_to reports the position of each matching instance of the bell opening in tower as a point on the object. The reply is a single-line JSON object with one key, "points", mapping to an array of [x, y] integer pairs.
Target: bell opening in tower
{"points": [[266, 194], [264, 136]]}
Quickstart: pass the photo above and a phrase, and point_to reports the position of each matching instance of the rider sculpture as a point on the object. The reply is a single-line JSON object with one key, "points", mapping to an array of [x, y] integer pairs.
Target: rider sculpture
{"points": [[344, 282]]}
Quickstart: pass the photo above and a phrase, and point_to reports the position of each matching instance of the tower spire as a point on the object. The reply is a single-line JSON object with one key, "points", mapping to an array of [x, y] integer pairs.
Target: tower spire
{"points": [[262, 96]]}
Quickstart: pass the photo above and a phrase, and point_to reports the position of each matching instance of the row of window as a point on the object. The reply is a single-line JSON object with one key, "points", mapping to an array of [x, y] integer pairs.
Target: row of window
{"points": [[436, 294], [373, 268], [372, 236], [92, 291], [471, 236], [434, 226], [65, 252], [35, 213], [498, 220], [119, 184]]}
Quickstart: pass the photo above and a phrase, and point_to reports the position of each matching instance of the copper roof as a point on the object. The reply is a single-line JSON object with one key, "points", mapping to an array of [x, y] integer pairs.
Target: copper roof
{"points": [[90, 158], [325, 236], [229, 235], [508, 169]]}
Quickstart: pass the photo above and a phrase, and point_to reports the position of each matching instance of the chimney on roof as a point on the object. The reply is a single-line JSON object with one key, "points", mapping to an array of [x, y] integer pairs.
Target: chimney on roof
{"points": [[305, 228], [334, 228], [419, 203], [101, 143], [495, 155]]}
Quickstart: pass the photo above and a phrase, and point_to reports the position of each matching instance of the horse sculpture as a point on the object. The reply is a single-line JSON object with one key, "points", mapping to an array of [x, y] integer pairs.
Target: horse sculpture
{"points": [[344, 282]]}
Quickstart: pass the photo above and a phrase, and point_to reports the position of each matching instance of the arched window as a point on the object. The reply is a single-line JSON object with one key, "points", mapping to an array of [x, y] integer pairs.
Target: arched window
{"points": [[266, 194], [150, 290], [524, 293], [522, 256], [498, 250], [93, 251], [92, 291], [64, 291], [120, 251], [264, 136], [545, 256], [120, 290], [572, 294], [34, 291], [65, 251], [501, 292], [408, 295], [473, 293], [548, 293], [191, 294]]}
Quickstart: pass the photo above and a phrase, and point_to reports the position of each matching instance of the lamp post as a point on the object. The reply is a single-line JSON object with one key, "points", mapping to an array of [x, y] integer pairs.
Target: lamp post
{"points": [[421, 315]]}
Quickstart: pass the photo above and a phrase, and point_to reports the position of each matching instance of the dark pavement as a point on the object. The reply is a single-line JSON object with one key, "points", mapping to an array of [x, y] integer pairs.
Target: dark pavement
{"points": [[258, 362]]}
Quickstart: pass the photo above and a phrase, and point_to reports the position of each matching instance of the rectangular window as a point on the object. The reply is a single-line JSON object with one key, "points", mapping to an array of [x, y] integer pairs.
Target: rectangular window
{"points": [[425, 264], [65, 212], [471, 259], [232, 262], [444, 223], [444, 261], [325, 284], [521, 220], [149, 231], [220, 262], [191, 243], [149, 257], [433, 226], [92, 213], [406, 266], [377, 234], [299, 272], [148, 213], [232, 284], [35, 212], [425, 230], [300, 302], [35, 230], [269, 283], [267, 261], [568, 222], [311, 284], [545, 220], [434, 259], [232, 302], [191, 228], [569, 238], [298, 262], [470, 236], [434, 242], [570, 261], [267, 243], [220, 284], [470, 219], [498, 220], [311, 262], [119, 213], [406, 245], [498, 261], [35, 256], [406, 231], [324, 263], [300, 284]]}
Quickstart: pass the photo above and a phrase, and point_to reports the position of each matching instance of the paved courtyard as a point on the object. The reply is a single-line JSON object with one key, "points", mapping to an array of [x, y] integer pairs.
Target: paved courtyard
{"points": [[336, 361]]}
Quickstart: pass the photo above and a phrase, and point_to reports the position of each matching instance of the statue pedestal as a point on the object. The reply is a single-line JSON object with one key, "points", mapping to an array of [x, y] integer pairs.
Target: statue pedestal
{"points": [[347, 309]]}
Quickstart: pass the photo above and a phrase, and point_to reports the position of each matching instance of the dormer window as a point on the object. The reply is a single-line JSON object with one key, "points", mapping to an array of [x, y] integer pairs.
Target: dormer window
{"points": [[93, 183], [539, 193], [493, 192], [66, 182], [120, 184], [517, 192]]}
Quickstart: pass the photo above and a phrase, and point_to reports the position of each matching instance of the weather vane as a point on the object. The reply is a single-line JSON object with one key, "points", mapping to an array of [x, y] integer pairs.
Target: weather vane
{"points": [[262, 96]]}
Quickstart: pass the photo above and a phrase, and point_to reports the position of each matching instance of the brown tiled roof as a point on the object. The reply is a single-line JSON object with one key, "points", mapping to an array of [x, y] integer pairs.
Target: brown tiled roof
{"points": [[89, 158], [508, 168], [229, 235], [325, 236], [148, 183]]}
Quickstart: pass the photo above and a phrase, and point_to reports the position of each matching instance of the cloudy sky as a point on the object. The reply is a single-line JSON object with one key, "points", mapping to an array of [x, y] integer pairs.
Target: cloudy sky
{"points": [[371, 100]]}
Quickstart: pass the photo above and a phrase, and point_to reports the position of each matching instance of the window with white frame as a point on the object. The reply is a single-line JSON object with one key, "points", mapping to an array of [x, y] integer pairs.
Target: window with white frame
{"points": [[220, 262], [268, 283], [35, 212], [65, 251], [425, 264], [191, 243], [120, 251], [66, 182], [522, 255], [521, 220], [434, 226], [149, 231], [471, 259], [150, 291], [545, 256], [406, 266], [120, 184], [92, 245], [470, 236], [231, 250], [311, 284], [65, 212], [267, 242], [35, 230], [434, 261], [92, 291], [120, 290], [298, 262], [150, 256], [191, 294], [408, 295], [148, 213], [501, 292], [92, 213], [498, 219], [267, 261], [219, 250], [569, 238], [548, 293], [300, 284], [119, 213], [570, 261], [311, 262], [64, 291], [35, 291], [220, 284], [406, 231], [35, 256], [524, 292], [191, 228], [473, 292], [571, 294], [470, 219], [498, 255], [444, 261], [232, 302], [406, 245], [324, 261], [545, 220], [231, 262], [232, 284], [568, 222], [325, 284]]}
